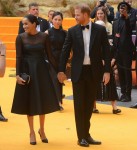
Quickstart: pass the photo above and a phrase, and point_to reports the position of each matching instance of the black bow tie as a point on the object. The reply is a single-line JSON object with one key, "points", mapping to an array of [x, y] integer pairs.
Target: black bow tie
{"points": [[83, 27]]}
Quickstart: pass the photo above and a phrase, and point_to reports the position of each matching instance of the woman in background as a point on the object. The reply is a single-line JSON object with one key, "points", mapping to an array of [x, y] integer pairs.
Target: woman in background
{"points": [[101, 18], [57, 37]]}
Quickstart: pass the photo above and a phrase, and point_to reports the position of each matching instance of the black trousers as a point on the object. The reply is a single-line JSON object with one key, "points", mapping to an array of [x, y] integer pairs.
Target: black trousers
{"points": [[125, 75], [84, 92]]}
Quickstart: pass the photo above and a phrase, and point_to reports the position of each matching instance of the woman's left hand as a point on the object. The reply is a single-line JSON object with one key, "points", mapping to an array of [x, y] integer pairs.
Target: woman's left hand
{"points": [[113, 62]]}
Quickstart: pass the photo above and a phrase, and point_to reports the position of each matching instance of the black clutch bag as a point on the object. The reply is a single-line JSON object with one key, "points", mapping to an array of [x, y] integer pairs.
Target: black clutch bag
{"points": [[25, 77], [105, 92]]}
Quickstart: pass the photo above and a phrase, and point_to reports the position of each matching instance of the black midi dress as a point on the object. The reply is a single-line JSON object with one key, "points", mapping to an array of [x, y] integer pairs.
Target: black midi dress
{"points": [[108, 92], [33, 57], [57, 39]]}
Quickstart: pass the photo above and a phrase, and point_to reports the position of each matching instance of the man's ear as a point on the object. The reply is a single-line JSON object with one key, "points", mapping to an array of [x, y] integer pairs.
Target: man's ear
{"points": [[85, 15]]}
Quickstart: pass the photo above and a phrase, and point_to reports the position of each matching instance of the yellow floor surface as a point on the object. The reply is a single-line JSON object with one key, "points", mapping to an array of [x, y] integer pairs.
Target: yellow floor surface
{"points": [[117, 132]]}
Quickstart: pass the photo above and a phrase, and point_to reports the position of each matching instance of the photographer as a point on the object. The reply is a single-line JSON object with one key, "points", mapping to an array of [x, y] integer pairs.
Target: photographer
{"points": [[109, 10], [132, 13], [122, 37]]}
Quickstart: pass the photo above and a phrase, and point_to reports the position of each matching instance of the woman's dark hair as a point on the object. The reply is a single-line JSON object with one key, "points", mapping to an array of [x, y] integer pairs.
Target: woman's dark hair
{"points": [[57, 13], [32, 19]]}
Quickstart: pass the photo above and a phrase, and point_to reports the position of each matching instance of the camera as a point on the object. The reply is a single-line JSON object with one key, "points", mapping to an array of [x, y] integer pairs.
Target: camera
{"points": [[123, 6], [102, 2]]}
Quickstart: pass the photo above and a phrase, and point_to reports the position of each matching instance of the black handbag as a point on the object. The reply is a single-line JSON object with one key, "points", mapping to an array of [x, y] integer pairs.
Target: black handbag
{"points": [[25, 77], [105, 92]]}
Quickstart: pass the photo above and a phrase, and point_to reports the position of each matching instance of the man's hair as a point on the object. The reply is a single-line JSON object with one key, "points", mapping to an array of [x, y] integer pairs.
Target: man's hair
{"points": [[33, 4], [84, 8]]}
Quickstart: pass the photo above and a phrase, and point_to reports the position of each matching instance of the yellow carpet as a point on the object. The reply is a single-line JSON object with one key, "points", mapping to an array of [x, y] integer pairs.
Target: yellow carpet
{"points": [[117, 132]]}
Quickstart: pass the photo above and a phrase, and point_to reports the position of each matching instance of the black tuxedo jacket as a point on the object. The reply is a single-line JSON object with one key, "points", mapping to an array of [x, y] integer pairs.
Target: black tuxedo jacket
{"points": [[98, 51], [44, 25]]}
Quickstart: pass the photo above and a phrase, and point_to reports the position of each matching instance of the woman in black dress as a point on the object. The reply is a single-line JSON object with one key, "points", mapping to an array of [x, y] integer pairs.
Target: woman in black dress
{"points": [[38, 97], [111, 92], [57, 37]]}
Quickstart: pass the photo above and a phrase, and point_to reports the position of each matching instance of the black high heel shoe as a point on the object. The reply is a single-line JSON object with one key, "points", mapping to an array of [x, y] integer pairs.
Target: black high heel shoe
{"points": [[32, 143], [2, 118], [43, 140]]}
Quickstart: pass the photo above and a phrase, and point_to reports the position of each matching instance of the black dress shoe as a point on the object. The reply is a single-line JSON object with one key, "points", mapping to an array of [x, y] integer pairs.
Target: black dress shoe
{"points": [[2, 118], [90, 140], [83, 143], [126, 99], [123, 97], [95, 111], [116, 111], [134, 106]]}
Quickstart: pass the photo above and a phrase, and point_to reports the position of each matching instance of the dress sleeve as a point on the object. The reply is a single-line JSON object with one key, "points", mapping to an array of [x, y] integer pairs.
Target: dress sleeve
{"points": [[18, 54], [48, 52]]}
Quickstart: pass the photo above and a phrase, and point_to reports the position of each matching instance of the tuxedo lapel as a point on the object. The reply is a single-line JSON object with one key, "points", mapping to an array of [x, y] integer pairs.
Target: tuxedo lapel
{"points": [[79, 36], [41, 24], [92, 36]]}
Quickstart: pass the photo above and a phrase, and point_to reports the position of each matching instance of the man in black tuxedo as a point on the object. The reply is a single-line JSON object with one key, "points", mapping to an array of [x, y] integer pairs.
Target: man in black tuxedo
{"points": [[34, 10], [90, 46], [122, 35]]}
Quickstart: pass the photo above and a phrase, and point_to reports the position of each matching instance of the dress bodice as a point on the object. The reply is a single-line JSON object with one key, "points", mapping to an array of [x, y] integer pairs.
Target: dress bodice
{"points": [[33, 46], [57, 38]]}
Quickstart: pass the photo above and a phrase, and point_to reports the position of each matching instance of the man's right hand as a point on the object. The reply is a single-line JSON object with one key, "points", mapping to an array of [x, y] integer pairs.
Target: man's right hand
{"points": [[61, 77]]}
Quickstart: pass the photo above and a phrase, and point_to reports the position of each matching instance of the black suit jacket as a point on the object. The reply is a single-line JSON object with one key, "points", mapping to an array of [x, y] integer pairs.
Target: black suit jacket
{"points": [[124, 42], [98, 50], [44, 25]]}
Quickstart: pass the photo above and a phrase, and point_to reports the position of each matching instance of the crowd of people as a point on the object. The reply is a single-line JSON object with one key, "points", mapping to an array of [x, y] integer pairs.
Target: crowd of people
{"points": [[97, 48]]}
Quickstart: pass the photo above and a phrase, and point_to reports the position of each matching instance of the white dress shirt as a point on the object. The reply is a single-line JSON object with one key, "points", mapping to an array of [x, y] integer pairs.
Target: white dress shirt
{"points": [[86, 38], [38, 28]]}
